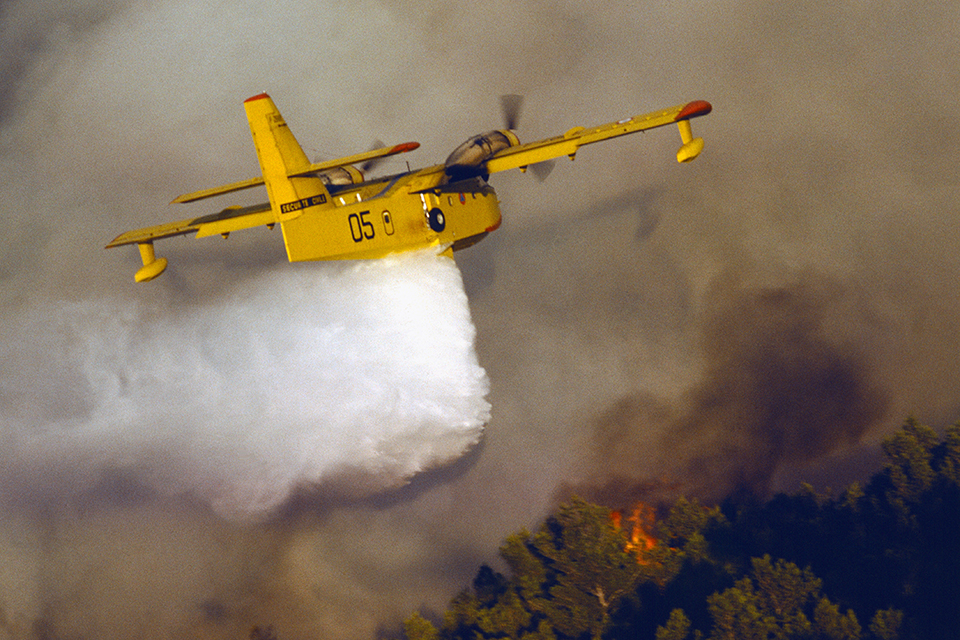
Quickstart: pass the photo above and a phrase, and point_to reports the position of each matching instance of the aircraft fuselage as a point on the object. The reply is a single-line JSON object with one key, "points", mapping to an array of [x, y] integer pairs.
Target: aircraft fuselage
{"points": [[375, 219]]}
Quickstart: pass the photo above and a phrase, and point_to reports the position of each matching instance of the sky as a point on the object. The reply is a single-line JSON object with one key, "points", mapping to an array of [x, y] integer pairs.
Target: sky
{"points": [[636, 329]]}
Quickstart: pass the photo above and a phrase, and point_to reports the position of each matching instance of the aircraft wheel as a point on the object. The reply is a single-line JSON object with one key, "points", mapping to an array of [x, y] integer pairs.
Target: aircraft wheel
{"points": [[438, 222]]}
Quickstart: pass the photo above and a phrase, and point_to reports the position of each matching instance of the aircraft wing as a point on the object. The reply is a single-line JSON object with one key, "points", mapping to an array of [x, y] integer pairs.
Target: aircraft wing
{"points": [[524, 155], [382, 152], [230, 219]]}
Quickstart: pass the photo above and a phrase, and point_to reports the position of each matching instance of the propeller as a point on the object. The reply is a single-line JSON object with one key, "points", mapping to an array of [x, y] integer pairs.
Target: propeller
{"points": [[542, 169], [511, 105], [369, 164], [373, 162]]}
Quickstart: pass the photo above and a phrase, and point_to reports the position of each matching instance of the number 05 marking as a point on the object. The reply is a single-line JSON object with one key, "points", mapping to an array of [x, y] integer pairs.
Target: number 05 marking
{"points": [[360, 227]]}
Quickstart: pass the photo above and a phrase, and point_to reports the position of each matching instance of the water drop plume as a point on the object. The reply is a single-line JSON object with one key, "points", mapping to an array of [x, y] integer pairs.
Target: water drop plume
{"points": [[298, 376]]}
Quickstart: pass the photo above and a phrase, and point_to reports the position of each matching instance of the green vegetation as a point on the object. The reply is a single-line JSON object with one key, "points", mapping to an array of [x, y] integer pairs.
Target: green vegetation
{"points": [[878, 562]]}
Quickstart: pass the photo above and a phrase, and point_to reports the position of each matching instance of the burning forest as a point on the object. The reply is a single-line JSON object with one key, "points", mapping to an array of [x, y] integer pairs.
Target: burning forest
{"points": [[877, 562]]}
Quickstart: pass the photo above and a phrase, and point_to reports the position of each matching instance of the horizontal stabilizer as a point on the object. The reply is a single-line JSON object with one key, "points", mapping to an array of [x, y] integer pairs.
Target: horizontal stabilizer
{"points": [[382, 152]]}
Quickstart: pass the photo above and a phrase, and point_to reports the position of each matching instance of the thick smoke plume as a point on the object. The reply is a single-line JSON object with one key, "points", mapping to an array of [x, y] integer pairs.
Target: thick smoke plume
{"points": [[284, 380], [787, 379], [789, 376]]}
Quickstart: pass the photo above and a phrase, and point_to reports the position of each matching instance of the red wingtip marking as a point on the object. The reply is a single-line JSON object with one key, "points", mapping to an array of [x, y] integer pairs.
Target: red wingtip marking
{"points": [[694, 109], [406, 146], [259, 96]]}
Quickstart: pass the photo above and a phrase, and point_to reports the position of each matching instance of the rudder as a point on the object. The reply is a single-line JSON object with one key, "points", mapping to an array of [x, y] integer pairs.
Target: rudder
{"points": [[281, 158]]}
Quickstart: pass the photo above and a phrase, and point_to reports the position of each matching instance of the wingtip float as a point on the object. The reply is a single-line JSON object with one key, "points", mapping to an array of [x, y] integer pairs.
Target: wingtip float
{"points": [[152, 266], [691, 146], [331, 211]]}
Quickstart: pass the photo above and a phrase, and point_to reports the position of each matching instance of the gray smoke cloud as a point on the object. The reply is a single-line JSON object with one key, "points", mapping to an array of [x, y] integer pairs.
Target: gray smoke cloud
{"points": [[644, 326], [789, 377]]}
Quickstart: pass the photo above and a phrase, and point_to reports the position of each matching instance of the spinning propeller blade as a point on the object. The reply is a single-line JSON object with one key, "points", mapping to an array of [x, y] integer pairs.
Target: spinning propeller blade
{"points": [[510, 105], [373, 162], [542, 169]]}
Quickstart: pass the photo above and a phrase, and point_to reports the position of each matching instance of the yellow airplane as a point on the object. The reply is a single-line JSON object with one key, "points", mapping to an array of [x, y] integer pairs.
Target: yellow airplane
{"points": [[329, 211]]}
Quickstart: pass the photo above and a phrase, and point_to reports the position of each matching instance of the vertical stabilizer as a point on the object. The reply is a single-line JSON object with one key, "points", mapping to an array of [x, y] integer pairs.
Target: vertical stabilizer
{"points": [[281, 157]]}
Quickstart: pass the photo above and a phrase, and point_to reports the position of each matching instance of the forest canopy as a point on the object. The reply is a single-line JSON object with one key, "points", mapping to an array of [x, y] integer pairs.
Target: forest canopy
{"points": [[881, 561]]}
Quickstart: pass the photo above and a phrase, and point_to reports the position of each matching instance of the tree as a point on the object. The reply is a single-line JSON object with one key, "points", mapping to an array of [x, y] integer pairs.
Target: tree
{"points": [[528, 574], [886, 624], [416, 627], [779, 601], [737, 616], [590, 567], [830, 624], [677, 627], [682, 539], [564, 581], [949, 467], [909, 454]]}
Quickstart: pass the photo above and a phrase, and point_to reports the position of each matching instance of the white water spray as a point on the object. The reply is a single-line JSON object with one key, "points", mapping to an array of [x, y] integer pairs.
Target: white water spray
{"points": [[302, 374]]}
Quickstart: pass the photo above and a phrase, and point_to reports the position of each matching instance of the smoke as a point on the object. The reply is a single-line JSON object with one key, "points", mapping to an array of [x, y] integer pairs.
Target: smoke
{"points": [[789, 376]]}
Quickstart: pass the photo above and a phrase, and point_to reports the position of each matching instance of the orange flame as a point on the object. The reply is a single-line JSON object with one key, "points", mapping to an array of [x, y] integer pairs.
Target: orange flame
{"points": [[642, 519]]}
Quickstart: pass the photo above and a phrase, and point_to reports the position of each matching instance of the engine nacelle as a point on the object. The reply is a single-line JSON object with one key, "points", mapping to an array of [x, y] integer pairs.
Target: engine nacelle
{"points": [[339, 176], [468, 160]]}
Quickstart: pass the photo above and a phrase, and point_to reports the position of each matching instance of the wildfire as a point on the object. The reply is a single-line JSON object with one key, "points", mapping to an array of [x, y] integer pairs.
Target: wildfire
{"points": [[640, 524]]}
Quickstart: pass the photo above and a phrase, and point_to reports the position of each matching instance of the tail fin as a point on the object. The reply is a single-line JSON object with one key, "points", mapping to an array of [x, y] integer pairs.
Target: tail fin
{"points": [[280, 158]]}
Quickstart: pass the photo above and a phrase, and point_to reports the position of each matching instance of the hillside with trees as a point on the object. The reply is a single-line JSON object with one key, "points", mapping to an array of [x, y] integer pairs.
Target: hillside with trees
{"points": [[881, 561]]}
